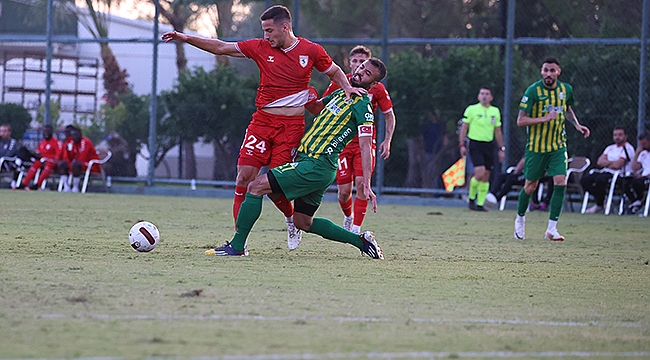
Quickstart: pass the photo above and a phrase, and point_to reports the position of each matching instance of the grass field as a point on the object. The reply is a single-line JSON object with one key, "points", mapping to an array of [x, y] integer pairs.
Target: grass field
{"points": [[454, 284]]}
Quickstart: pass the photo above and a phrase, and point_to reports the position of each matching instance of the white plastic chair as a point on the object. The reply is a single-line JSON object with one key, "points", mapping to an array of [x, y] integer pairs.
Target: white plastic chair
{"points": [[101, 161], [576, 165], [610, 194]]}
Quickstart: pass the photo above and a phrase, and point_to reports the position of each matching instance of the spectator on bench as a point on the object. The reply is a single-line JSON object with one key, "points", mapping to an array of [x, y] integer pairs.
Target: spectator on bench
{"points": [[77, 152], [505, 181], [47, 156], [8, 148], [615, 157], [638, 184]]}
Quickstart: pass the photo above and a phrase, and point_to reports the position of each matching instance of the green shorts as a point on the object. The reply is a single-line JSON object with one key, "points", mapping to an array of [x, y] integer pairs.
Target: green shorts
{"points": [[538, 165], [307, 179]]}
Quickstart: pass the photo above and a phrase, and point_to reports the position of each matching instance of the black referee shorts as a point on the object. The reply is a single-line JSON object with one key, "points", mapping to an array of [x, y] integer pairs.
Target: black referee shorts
{"points": [[482, 154]]}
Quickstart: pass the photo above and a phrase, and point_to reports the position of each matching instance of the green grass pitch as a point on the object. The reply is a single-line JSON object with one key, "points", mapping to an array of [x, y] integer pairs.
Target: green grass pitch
{"points": [[454, 284]]}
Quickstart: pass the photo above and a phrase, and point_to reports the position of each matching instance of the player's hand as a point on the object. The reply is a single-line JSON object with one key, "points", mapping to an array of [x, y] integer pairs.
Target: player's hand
{"points": [[313, 95], [551, 115], [384, 149], [463, 151], [502, 155], [370, 195], [175, 36], [583, 130], [354, 90]]}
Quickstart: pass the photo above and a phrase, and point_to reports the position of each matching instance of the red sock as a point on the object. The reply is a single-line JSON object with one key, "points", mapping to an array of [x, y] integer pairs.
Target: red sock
{"points": [[346, 207], [240, 195], [360, 207], [284, 205]]}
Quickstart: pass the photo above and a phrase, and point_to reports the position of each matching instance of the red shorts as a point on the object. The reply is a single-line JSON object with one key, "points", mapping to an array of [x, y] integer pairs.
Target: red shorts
{"points": [[271, 140], [351, 164]]}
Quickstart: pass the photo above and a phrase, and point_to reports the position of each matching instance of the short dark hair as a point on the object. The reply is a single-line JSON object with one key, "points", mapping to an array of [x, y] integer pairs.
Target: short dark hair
{"points": [[644, 135], [360, 49], [277, 13], [486, 88], [379, 65], [551, 60], [618, 127]]}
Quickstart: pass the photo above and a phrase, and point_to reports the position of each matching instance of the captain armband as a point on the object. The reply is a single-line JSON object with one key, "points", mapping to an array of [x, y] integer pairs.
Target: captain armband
{"points": [[365, 130]]}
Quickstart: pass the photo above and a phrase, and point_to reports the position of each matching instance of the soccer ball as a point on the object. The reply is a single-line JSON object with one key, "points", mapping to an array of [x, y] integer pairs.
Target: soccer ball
{"points": [[144, 236]]}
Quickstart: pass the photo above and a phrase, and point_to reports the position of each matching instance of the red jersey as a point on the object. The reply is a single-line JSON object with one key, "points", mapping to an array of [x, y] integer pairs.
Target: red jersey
{"points": [[83, 152], [379, 98], [50, 149], [378, 95], [285, 73]]}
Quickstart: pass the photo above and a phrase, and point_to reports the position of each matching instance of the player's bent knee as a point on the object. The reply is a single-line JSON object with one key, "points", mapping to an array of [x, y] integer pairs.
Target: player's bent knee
{"points": [[302, 221]]}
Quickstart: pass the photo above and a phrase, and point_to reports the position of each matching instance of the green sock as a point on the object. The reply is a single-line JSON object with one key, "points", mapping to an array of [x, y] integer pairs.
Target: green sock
{"points": [[483, 188], [522, 203], [331, 231], [473, 188], [249, 212], [557, 200]]}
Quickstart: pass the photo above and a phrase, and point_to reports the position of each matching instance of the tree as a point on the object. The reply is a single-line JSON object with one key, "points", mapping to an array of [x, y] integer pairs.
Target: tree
{"points": [[215, 106], [17, 116], [114, 77]]}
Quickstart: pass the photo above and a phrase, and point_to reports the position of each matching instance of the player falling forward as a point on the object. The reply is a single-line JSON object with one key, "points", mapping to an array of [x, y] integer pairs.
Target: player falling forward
{"points": [[349, 171]]}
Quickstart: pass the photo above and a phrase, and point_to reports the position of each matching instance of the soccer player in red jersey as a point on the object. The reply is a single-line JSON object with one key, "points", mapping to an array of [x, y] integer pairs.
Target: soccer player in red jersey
{"points": [[350, 170], [77, 152], [49, 152], [273, 135]]}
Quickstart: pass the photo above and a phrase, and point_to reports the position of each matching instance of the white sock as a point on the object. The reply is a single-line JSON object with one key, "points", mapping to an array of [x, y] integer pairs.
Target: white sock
{"points": [[75, 182], [64, 180], [552, 226], [289, 219], [356, 229]]}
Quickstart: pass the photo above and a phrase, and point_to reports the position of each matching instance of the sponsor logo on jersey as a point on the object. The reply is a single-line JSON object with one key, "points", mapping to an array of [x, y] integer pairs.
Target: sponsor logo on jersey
{"points": [[338, 140], [549, 108], [271, 58], [524, 99], [561, 95], [304, 60], [333, 108], [493, 120]]}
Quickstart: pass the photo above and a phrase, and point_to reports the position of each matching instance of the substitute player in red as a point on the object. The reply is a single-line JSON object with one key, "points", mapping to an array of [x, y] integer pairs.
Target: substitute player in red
{"points": [[77, 152], [350, 170], [48, 152], [273, 135]]}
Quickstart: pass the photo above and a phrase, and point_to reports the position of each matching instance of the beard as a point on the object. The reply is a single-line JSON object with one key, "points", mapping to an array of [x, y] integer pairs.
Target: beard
{"points": [[549, 81]]}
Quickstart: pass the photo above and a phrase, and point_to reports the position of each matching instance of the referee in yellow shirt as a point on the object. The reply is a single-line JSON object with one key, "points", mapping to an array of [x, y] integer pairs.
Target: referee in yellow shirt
{"points": [[481, 124]]}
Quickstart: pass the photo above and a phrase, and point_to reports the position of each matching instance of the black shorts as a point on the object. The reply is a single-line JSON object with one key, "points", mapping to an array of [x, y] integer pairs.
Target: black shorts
{"points": [[482, 154]]}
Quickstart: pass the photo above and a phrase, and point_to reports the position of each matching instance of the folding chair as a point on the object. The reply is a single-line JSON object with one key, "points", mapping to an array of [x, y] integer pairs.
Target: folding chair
{"points": [[576, 167], [103, 158], [502, 201], [647, 201], [609, 196]]}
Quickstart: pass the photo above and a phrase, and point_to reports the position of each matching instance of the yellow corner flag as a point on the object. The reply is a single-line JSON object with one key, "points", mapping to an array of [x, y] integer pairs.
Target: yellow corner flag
{"points": [[455, 175]]}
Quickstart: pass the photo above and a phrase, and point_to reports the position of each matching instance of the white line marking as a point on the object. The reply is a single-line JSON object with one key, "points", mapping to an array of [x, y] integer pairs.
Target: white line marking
{"points": [[339, 319], [409, 355]]}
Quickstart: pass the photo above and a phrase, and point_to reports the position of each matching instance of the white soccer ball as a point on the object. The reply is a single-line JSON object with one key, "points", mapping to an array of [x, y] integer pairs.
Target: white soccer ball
{"points": [[144, 236]]}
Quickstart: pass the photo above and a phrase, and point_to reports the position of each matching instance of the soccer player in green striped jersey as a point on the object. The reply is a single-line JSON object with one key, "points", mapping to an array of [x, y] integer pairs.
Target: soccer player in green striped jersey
{"points": [[543, 109], [307, 178]]}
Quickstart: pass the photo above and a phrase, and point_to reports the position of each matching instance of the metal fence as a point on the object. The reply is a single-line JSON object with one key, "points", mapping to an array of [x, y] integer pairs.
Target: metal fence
{"points": [[615, 69]]}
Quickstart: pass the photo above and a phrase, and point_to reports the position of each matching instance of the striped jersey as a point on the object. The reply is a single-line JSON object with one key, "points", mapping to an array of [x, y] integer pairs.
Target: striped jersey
{"points": [[538, 101], [336, 126]]}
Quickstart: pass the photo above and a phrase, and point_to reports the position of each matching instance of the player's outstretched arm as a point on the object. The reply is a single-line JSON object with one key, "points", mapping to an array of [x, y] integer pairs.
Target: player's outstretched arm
{"points": [[384, 147], [338, 76], [365, 143], [571, 118], [215, 46]]}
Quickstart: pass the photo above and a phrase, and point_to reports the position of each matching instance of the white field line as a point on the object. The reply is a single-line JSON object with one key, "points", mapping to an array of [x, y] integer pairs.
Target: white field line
{"points": [[407, 355], [336, 319]]}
